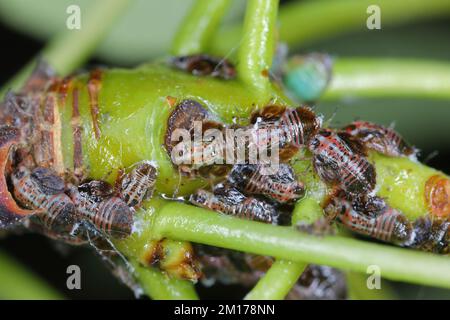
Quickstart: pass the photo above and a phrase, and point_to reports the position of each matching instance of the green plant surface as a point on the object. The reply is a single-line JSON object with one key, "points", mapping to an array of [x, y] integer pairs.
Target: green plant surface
{"points": [[160, 286], [257, 45], [184, 222], [277, 282], [19, 283]]}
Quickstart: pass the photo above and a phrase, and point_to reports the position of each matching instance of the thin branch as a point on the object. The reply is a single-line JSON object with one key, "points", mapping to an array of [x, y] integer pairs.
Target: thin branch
{"points": [[304, 22], [160, 286], [184, 222], [389, 77], [197, 29], [258, 43], [278, 281]]}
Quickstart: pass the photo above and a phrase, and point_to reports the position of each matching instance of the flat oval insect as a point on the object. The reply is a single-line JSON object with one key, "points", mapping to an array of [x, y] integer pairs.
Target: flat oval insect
{"points": [[431, 234], [229, 200], [138, 185], [43, 191], [281, 186], [296, 125], [340, 160], [205, 65], [388, 226], [379, 138], [108, 213]]}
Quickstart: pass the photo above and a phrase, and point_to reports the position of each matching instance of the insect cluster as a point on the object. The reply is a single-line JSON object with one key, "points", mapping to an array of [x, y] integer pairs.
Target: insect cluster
{"points": [[38, 191], [46, 192], [339, 158]]}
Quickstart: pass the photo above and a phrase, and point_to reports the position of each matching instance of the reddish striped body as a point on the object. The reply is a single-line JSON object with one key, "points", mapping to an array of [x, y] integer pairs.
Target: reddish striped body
{"points": [[281, 186], [339, 160], [299, 126], [388, 226], [379, 138], [295, 126], [229, 200]]}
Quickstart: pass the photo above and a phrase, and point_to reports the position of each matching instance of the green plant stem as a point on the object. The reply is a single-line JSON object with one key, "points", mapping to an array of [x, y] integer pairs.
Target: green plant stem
{"points": [[283, 274], [71, 48], [389, 77], [184, 222], [304, 22], [258, 43], [18, 283], [160, 286], [278, 281], [197, 29]]}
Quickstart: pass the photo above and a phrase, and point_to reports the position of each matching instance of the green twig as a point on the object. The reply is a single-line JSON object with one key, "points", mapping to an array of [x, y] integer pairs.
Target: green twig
{"points": [[196, 31], [16, 282], [283, 275], [278, 281], [184, 222], [303, 22], [160, 286], [389, 77], [71, 48], [258, 43]]}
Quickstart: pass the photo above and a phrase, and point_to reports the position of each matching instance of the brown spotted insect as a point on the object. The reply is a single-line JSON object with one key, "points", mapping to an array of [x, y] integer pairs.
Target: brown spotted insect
{"points": [[205, 65], [139, 184], [41, 190], [229, 200], [381, 139], [95, 202], [388, 225], [186, 144], [340, 160], [296, 125], [282, 186]]}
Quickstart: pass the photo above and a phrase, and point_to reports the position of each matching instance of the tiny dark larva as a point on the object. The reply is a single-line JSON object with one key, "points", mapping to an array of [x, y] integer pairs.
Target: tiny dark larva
{"points": [[229, 200], [379, 138], [204, 65], [282, 186]]}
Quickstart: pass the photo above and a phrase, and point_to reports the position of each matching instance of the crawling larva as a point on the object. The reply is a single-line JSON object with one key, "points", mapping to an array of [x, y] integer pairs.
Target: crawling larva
{"points": [[379, 138], [340, 160], [204, 65], [138, 185], [94, 201], [282, 186], [43, 191], [229, 200]]}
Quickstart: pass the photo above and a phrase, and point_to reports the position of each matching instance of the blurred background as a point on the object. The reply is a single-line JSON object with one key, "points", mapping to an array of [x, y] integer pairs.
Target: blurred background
{"points": [[145, 32]]}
